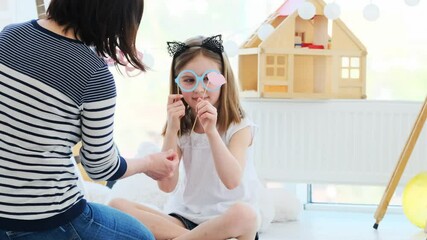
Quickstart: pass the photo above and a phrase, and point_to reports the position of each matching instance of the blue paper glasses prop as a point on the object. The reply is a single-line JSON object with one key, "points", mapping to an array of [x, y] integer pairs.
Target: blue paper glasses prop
{"points": [[188, 80]]}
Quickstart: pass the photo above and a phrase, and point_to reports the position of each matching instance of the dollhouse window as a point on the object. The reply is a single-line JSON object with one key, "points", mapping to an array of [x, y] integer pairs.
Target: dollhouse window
{"points": [[276, 66], [350, 68]]}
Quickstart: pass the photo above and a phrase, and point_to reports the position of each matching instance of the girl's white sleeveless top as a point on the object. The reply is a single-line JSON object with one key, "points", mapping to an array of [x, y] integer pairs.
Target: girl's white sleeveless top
{"points": [[200, 195]]}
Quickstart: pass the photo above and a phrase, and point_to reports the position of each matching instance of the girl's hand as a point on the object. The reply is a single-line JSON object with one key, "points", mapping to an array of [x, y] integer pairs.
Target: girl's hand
{"points": [[207, 115], [176, 110]]}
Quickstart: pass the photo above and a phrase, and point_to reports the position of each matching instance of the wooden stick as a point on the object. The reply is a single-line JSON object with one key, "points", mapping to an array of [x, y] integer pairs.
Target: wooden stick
{"points": [[194, 124], [404, 157], [179, 130], [41, 9], [195, 120]]}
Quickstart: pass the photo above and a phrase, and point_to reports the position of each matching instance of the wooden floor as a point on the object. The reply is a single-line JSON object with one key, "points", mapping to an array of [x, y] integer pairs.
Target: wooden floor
{"points": [[340, 225]]}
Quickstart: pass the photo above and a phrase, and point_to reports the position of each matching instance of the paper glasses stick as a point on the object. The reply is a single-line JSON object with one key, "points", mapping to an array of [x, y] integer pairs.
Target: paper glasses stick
{"points": [[179, 130], [216, 79]]}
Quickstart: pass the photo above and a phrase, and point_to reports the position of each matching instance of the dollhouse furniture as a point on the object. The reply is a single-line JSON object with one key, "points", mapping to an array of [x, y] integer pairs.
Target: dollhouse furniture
{"points": [[315, 58]]}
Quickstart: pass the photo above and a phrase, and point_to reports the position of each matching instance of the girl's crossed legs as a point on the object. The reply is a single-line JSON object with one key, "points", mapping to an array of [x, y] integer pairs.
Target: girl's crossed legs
{"points": [[239, 221]]}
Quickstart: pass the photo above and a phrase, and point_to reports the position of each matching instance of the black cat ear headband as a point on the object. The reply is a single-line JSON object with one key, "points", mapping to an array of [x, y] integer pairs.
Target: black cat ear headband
{"points": [[213, 44]]}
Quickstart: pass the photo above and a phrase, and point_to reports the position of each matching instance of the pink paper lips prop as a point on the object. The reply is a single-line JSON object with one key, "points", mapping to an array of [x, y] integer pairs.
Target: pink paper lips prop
{"points": [[216, 79]]}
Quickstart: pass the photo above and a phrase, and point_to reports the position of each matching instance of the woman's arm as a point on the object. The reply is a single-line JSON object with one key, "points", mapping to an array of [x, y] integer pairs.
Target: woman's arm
{"points": [[99, 154]]}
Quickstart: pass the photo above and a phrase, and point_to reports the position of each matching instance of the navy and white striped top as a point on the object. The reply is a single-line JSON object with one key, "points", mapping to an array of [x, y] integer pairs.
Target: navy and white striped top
{"points": [[54, 92]]}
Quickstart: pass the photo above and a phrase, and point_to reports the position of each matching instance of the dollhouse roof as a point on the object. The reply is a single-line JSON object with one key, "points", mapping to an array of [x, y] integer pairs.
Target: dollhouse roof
{"points": [[289, 7]]}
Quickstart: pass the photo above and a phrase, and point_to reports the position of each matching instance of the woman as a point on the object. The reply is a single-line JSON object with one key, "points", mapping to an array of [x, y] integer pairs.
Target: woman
{"points": [[56, 90]]}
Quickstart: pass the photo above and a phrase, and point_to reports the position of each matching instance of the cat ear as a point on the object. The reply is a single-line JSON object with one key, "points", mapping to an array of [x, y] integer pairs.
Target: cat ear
{"points": [[176, 48], [214, 44]]}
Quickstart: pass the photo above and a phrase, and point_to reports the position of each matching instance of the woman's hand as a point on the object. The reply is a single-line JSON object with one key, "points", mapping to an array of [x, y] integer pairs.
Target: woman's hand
{"points": [[176, 110], [161, 165], [158, 166], [207, 115]]}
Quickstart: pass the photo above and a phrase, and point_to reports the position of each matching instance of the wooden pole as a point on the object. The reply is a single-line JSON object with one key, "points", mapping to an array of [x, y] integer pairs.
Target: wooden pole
{"points": [[404, 157], [41, 9]]}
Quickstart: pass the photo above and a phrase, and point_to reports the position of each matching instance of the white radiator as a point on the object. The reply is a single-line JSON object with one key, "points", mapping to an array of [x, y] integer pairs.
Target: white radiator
{"points": [[335, 141]]}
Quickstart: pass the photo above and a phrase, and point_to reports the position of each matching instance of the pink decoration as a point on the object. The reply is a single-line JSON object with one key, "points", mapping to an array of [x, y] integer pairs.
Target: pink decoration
{"points": [[122, 59], [289, 7], [110, 62], [216, 79]]}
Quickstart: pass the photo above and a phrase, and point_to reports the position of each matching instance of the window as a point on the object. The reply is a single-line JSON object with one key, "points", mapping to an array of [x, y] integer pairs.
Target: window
{"points": [[350, 194], [276, 67], [350, 68]]}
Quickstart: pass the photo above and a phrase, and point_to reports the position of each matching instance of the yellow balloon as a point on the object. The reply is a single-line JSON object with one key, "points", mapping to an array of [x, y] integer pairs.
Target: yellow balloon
{"points": [[414, 200]]}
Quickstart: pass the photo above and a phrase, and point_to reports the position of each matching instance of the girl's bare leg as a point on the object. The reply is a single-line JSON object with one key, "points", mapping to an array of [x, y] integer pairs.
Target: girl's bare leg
{"points": [[240, 221], [161, 225]]}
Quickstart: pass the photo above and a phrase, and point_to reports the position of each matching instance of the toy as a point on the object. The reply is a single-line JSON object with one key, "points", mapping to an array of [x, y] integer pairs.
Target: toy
{"points": [[294, 60], [414, 200]]}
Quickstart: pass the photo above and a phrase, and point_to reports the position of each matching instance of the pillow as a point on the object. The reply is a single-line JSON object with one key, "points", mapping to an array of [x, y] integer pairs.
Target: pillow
{"points": [[266, 208], [287, 206], [98, 193]]}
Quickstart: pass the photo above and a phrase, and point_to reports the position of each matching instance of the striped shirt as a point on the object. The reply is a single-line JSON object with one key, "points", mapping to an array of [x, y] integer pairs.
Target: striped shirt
{"points": [[54, 92]]}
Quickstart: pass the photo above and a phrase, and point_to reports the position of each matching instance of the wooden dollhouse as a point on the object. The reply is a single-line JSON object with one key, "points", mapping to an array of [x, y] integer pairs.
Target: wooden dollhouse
{"points": [[315, 58]]}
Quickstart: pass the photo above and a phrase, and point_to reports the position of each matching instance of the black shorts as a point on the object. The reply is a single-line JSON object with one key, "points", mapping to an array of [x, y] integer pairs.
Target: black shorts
{"points": [[189, 224]]}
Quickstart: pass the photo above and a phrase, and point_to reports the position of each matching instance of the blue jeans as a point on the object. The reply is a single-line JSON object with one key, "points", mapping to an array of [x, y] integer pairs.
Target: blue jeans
{"points": [[97, 222]]}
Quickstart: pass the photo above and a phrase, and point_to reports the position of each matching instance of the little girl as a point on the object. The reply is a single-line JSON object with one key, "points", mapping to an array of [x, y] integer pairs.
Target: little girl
{"points": [[214, 194]]}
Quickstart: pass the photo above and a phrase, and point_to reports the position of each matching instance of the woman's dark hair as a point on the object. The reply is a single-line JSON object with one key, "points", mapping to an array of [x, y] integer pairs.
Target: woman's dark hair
{"points": [[107, 25]]}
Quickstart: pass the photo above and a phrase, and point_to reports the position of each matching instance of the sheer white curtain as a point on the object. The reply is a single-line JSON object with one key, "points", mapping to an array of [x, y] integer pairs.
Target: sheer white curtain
{"points": [[12, 11]]}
